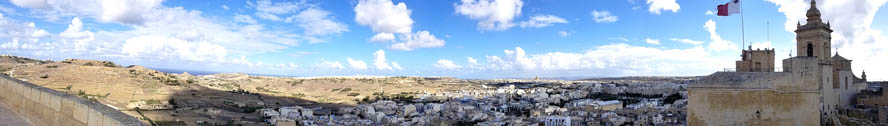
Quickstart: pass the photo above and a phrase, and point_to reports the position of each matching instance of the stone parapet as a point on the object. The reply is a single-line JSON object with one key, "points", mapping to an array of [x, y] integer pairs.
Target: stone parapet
{"points": [[46, 107]]}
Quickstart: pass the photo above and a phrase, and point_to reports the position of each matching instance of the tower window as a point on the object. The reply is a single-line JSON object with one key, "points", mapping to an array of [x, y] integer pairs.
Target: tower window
{"points": [[810, 50]]}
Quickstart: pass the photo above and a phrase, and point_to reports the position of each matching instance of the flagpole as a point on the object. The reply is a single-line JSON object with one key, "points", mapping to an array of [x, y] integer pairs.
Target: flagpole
{"points": [[742, 27]]}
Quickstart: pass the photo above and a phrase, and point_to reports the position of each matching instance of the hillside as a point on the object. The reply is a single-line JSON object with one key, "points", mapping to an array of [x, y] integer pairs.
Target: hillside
{"points": [[233, 94]]}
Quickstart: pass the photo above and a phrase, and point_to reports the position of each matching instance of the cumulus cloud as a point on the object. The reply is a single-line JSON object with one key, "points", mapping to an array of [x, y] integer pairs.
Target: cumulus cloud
{"points": [[471, 60], [166, 46], [446, 64], [380, 62], [127, 11], [687, 41], [709, 12], [356, 64], [20, 35], [492, 14], [76, 34], [540, 21], [383, 37], [603, 16], [656, 6], [853, 34], [390, 20], [384, 16], [397, 66], [652, 41], [607, 60], [421, 39], [717, 44]]}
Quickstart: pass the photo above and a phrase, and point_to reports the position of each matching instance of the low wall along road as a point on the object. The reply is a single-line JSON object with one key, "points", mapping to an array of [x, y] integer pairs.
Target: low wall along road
{"points": [[46, 107]]}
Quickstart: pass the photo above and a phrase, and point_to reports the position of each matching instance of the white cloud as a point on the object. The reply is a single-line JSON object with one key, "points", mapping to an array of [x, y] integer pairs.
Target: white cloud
{"points": [[446, 64], [268, 10], [514, 59], [127, 11], [471, 60], [20, 35], [652, 41], [331, 65], [389, 19], [709, 12], [244, 19], [717, 44], [318, 22], [383, 37], [397, 66], [853, 34], [292, 65], [356, 64], [607, 60], [314, 21], [603, 16], [36, 4], [380, 62], [77, 34], [564, 33], [656, 6], [166, 46], [421, 39], [384, 16], [687, 41], [493, 14], [540, 21], [225, 7]]}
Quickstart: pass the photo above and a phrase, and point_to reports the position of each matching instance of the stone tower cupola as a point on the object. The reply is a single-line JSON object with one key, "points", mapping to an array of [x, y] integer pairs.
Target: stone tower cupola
{"points": [[813, 39]]}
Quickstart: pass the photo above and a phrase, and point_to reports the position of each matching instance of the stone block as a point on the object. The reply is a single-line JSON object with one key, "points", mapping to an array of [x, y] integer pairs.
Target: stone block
{"points": [[47, 115], [95, 118], [66, 107], [45, 97], [35, 94], [81, 112], [26, 92], [26, 110], [55, 102]]}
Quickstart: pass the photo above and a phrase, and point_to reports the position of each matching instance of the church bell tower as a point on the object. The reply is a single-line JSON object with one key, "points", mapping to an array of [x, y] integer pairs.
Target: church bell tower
{"points": [[813, 39]]}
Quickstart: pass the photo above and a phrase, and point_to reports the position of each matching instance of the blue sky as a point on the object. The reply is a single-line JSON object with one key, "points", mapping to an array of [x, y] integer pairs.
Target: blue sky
{"points": [[467, 38]]}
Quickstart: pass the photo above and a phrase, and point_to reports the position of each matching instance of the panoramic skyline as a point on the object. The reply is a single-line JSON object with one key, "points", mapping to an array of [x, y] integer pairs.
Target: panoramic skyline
{"points": [[467, 39]]}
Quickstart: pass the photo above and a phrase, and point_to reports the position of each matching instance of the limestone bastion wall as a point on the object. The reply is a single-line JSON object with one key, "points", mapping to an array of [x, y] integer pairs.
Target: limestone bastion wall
{"points": [[46, 107]]}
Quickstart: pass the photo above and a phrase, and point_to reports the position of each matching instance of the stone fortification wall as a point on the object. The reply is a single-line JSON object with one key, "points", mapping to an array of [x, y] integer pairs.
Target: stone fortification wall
{"points": [[759, 98], [46, 107]]}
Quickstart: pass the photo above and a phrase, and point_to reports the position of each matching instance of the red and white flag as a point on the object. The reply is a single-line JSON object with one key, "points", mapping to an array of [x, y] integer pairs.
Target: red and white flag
{"points": [[729, 8]]}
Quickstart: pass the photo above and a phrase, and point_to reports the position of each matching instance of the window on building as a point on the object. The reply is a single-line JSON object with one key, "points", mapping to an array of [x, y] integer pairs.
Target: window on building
{"points": [[758, 66], [846, 82], [810, 50]]}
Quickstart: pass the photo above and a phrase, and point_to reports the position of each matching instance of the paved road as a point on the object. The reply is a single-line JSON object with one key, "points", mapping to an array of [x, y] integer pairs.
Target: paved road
{"points": [[9, 118]]}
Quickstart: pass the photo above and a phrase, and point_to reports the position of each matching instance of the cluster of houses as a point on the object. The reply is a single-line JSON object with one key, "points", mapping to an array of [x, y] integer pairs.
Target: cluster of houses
{"points": [[558, 103]]}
